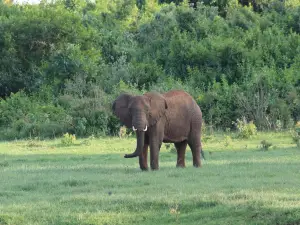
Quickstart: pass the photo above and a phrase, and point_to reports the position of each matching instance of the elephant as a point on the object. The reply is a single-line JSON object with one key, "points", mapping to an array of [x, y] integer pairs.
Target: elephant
{"points": [[171, 117]]}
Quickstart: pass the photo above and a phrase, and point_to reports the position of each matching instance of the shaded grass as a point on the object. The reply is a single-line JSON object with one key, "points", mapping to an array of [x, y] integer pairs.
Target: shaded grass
{"points": [[94, 184]]}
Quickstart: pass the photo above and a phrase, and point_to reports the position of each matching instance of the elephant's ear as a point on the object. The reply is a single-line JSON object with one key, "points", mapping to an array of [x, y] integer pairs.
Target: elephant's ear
{"points": [[158, 106], [121, 110]]}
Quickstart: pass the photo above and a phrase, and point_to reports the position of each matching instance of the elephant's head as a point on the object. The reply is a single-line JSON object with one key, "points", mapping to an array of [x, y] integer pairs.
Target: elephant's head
{"points": [[139, 113]]}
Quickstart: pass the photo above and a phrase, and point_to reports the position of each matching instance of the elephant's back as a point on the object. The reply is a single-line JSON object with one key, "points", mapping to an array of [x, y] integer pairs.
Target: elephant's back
{"points": [[177, 93], [176, 98], [182, 113]]}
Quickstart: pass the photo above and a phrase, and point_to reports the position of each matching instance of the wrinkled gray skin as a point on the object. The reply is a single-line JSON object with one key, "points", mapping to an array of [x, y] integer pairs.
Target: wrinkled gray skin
{"points": [[173, 117]]}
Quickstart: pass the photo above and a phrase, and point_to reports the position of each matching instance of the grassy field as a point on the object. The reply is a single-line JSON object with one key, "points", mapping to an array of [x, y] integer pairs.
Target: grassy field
{"points": [[43, 182]]}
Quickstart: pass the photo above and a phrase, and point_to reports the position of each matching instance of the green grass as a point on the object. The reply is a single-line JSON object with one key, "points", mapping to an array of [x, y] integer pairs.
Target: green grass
{"points": [[43, 182]]}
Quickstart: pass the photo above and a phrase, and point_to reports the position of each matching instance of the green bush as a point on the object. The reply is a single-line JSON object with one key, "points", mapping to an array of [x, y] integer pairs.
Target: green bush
{"points": [[227, 141], [90, 108], [245, 129], [68, 139], [24, 116], [124, 132]]}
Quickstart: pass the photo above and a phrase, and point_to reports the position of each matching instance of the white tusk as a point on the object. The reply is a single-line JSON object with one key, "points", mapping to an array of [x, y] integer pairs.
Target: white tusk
{"points": [[133, 128], [145, 128]]}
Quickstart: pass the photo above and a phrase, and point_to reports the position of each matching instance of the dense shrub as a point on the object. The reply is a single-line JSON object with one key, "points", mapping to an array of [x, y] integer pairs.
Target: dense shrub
{"points": [[23, 116], [245, 129], [68, 139], [58, 77]]}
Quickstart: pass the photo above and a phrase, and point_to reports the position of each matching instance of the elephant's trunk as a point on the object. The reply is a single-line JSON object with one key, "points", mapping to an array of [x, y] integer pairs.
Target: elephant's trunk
{"points": [[140, 135]]}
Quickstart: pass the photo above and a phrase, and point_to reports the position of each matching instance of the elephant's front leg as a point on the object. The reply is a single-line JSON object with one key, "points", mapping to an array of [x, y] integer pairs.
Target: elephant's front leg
{"points": [[154, 153], [143, 158], [156, 136], [155, 144]]}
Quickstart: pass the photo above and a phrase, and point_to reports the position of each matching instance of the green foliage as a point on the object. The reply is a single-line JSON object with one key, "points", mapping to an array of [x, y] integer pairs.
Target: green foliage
{"points": [[26, 116], [245, 129], [68, 139], [58, 77], [89, 107], [278, 125], [219, 103], [41, 48], [227, 141], [124, 132]]}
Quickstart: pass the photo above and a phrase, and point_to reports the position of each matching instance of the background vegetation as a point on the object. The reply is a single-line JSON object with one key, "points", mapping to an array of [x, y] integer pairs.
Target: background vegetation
{"points": [[62, 64]]}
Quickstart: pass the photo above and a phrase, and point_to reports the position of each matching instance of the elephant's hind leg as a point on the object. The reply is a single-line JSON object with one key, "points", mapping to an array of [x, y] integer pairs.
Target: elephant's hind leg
{"points": [[195, 145], [143, 158], [181, 147]]}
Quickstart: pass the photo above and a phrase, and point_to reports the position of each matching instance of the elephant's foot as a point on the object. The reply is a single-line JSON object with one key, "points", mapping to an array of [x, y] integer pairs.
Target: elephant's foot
{"points": [[143, 161], [154, 166], [196, 160], [154, 162], [180, 162], [180, 165], [197, 165], [144, 168]]}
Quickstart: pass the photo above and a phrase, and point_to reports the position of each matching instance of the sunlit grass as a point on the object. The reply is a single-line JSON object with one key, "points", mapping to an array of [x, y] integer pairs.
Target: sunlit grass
{"points": [[43, 182]]}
